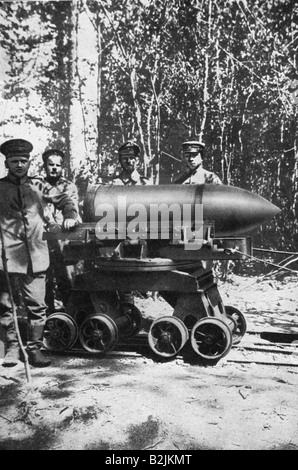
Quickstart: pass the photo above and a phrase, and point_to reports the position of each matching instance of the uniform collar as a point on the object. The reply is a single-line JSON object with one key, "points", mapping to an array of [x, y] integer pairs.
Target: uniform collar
{"points": [[134, 176], [17, 181]]}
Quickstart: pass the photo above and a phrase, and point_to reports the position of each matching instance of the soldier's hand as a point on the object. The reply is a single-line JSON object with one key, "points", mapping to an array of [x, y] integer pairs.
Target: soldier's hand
{"points": [[69, 224]]}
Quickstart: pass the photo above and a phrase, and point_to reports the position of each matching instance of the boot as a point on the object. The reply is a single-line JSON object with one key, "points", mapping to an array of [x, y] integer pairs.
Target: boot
{"points": [[12, 355], [37, 359], [34, 344]]}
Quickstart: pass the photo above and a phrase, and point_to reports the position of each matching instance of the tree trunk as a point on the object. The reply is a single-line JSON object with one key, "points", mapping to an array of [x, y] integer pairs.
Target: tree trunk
{"points": [[206, 73], [75, 135], [138, 115], [98, 94]]}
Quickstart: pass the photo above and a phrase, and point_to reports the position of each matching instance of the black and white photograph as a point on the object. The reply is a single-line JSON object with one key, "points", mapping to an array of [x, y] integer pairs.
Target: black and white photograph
{"points": [[148, 227]]}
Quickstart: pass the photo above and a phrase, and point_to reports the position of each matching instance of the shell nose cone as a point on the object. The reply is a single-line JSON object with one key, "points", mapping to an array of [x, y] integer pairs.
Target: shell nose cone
{"points": [[267, 210], [235, 210]]}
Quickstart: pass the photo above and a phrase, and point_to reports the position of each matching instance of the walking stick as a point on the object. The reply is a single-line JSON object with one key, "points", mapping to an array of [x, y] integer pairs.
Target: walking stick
{"points": [[14, 310]]}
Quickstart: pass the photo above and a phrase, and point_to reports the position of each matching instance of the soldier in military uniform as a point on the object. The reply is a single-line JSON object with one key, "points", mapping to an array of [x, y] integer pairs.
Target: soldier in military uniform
{"points": [[195, 173], [58, 275], [129, 153], [22, 201], [53, 164]]}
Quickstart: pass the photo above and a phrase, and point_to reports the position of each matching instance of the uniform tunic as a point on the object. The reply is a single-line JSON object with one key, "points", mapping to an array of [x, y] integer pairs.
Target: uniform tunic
{"points": [[52, 213], [199, 176], [134, 179], [22, 221]]}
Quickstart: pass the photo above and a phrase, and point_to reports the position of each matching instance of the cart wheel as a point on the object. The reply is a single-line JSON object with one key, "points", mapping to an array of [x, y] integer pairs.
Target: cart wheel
{"points": [[60, 332], [211, 338], [167, 336], [98, 334], [241, 325], [135, 319]]}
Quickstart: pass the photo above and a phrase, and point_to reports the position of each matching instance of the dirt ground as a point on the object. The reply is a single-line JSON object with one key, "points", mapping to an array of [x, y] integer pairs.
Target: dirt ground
{"points": [[129, 400]]}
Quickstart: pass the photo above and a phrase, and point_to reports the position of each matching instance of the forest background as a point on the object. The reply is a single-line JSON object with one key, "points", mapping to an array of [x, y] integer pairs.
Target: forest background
{"points": [[86, 75]]}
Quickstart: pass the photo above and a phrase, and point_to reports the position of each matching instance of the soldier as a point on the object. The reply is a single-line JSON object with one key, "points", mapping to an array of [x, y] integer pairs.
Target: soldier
{"points": [[195, 173], [58, 276], [128, 153], [53, 164], [22, 200]]}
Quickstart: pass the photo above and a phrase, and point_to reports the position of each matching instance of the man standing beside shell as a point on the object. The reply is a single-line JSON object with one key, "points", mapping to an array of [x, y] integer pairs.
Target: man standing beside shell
{"points": [[22, 202]]}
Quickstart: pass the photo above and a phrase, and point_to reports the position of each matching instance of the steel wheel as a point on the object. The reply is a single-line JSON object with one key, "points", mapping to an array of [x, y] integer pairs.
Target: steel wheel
{"points": [[60, 332], [98, 334], [134, 317], [167, 336], [211, 338], [241, 325]]}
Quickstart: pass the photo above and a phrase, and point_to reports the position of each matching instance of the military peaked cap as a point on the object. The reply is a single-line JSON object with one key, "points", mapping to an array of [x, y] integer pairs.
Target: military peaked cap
{"points": [[16, 147], [192, 146], [48, 153], [129, 149]]}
